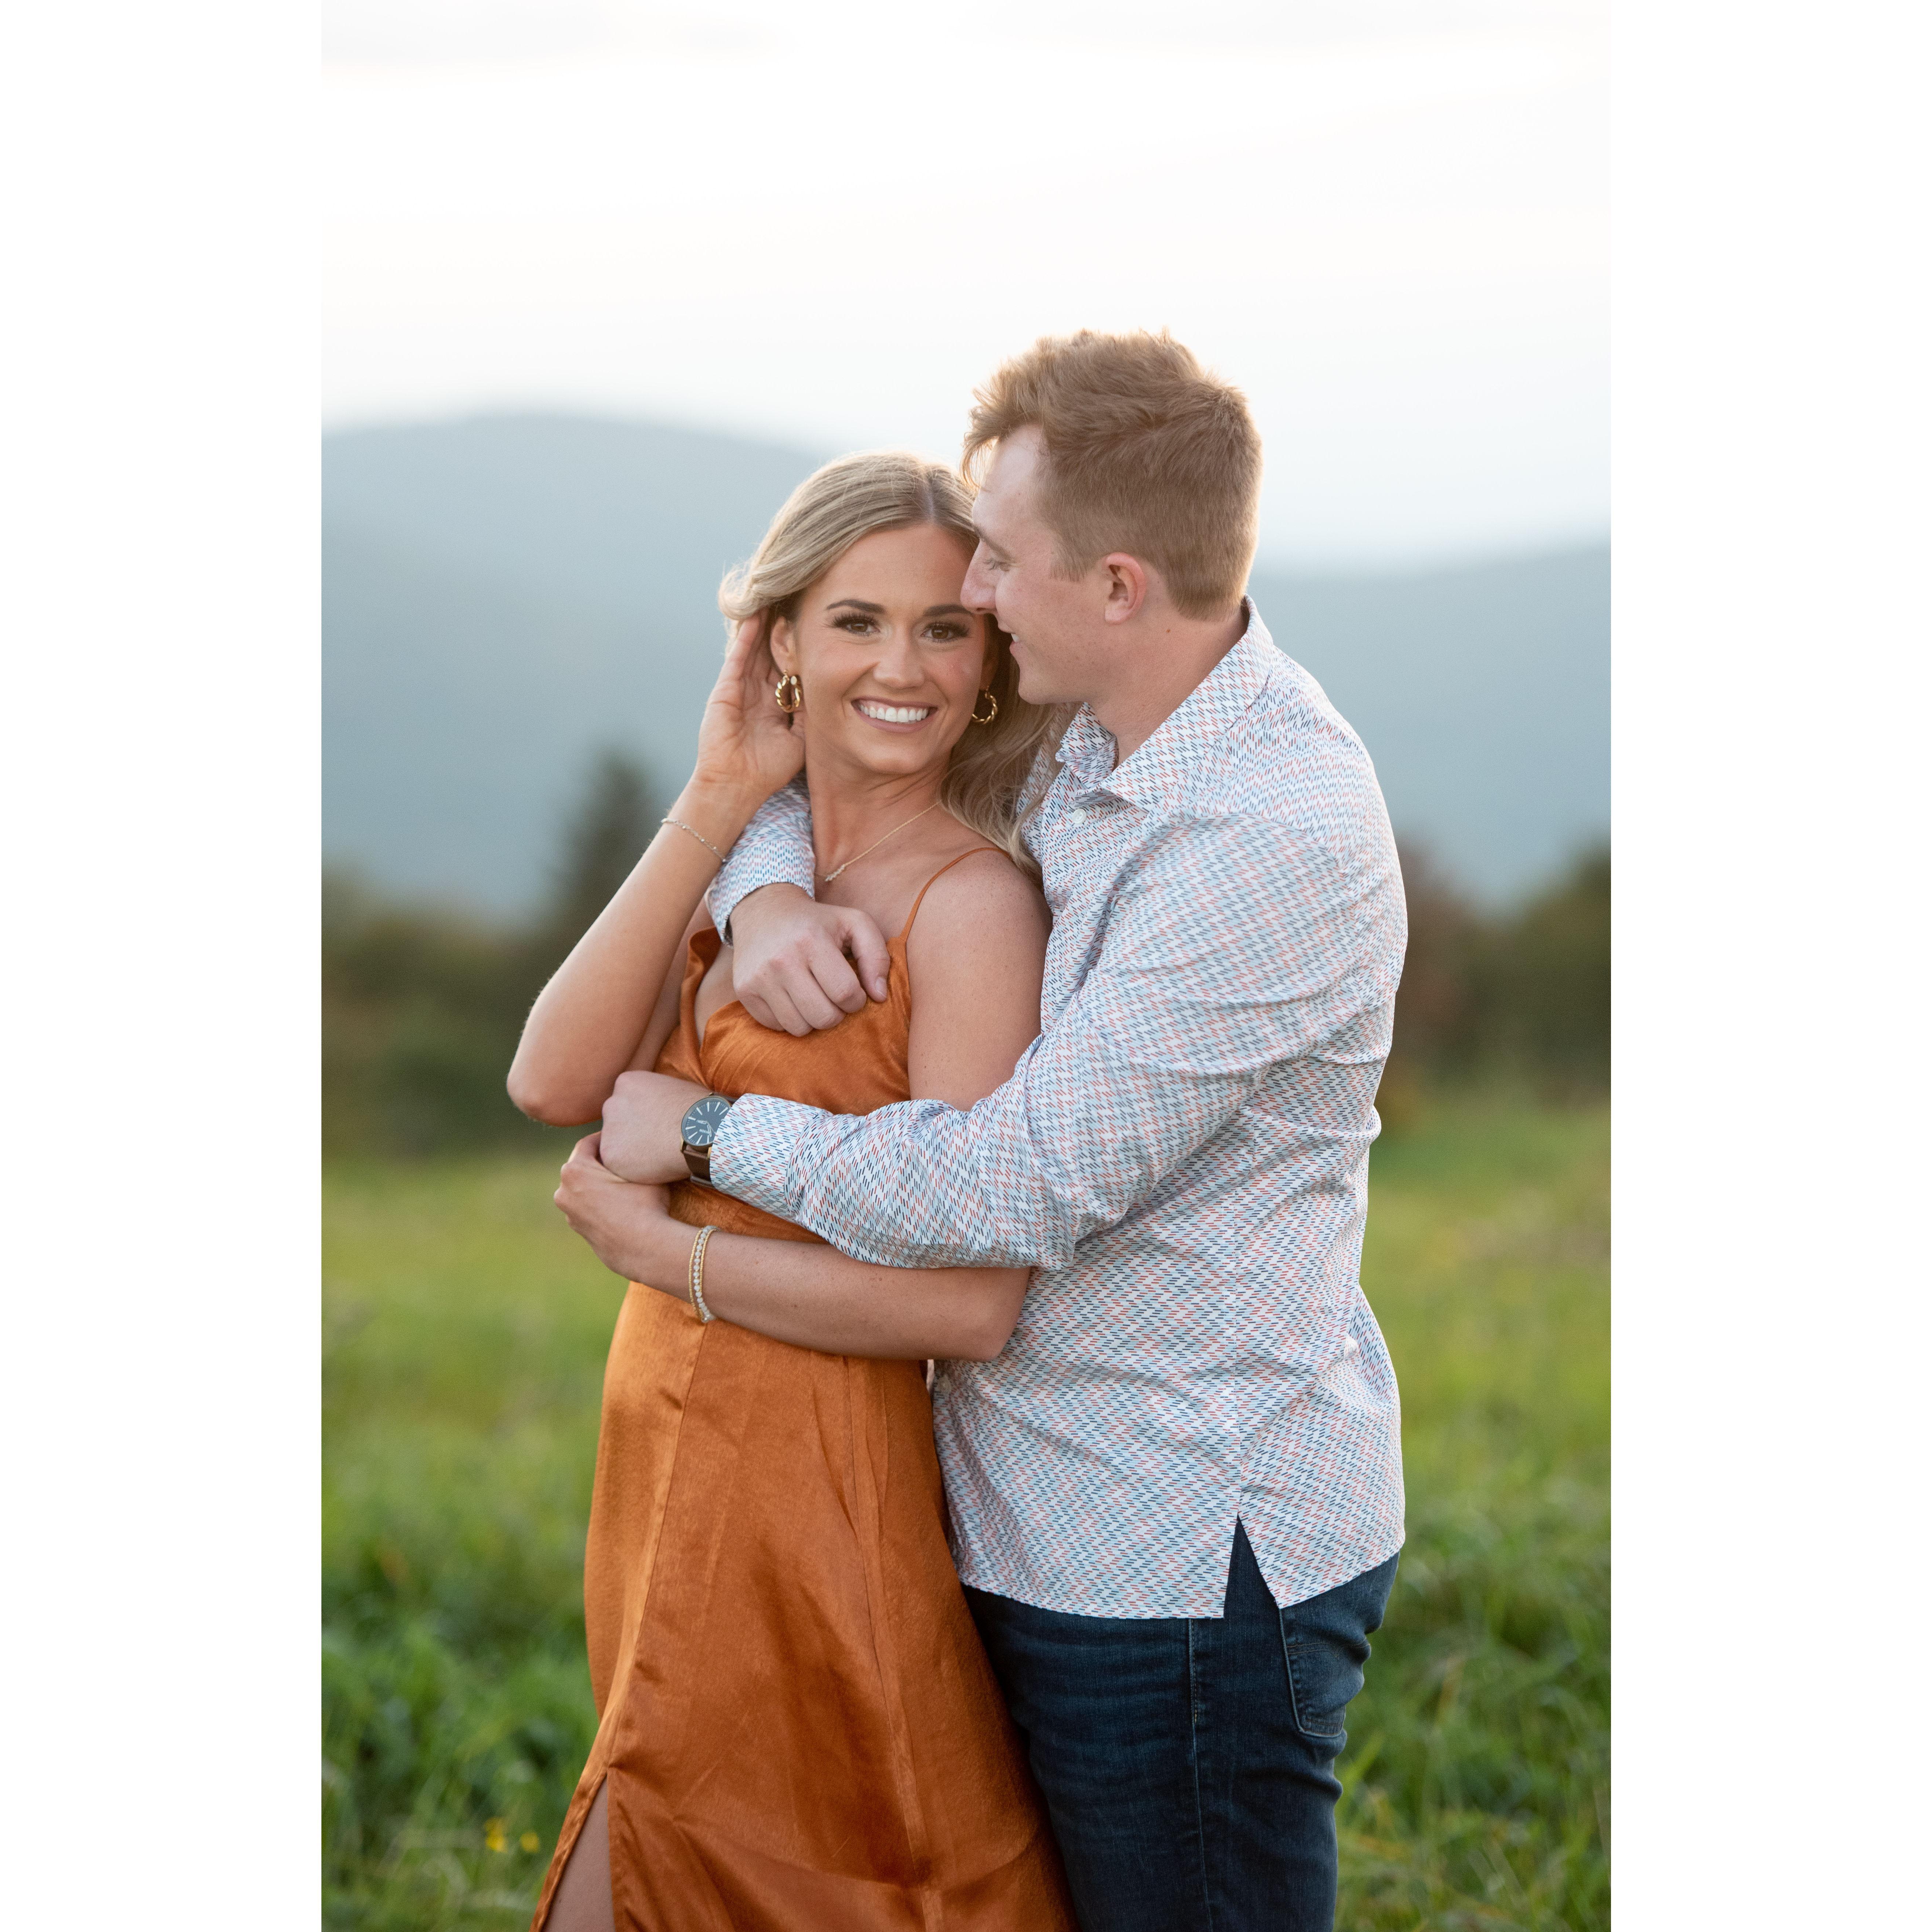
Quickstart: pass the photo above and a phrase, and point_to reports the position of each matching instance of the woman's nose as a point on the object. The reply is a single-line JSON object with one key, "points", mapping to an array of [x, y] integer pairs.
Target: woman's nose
{"points": [[899, 662]]}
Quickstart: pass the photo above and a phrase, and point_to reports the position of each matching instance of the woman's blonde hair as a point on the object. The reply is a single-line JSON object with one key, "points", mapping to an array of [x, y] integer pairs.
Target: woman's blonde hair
{"points": [[985, 784]]}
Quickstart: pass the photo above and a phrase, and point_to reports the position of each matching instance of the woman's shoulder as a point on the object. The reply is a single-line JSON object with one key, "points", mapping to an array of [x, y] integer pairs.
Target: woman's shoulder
{"points": [[975, 961], [979, 892]]}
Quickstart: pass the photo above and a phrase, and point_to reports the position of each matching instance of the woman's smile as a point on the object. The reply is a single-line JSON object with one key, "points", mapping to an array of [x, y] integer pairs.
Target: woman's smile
{"points": [[893, 717]]}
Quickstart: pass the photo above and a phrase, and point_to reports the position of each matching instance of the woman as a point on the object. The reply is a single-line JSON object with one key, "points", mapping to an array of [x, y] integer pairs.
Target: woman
{"points": [[798, 1728]]}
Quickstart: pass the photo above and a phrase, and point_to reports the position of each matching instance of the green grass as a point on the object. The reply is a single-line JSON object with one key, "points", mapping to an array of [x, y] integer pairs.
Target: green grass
{"points": [[465, 1342], [1478, 1773]]}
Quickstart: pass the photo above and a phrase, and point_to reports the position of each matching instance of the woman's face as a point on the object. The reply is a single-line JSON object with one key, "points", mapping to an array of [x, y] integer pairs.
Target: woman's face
{"points": [[890, 661]]}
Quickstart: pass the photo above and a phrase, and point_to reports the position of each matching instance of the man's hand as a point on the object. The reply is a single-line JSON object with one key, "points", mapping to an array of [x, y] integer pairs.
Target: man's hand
{"points": [[627, 1226], [644, 1127], [797, 966]]}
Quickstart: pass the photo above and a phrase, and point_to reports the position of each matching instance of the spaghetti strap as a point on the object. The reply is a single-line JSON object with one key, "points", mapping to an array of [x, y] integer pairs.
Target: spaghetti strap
{"points": [[906, 928]]}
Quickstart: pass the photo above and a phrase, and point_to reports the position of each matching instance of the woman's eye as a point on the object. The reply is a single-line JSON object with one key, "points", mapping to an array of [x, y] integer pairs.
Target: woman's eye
{"points": [[855, 625], [946, 633]]}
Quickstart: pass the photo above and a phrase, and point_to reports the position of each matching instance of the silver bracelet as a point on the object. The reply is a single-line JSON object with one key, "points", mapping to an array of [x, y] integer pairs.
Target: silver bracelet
{"points": [[697, 1278], [698, 835]]}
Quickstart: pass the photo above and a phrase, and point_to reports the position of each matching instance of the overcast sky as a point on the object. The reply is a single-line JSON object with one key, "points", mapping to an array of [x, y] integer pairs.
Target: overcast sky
{"points": [[823, 223]]}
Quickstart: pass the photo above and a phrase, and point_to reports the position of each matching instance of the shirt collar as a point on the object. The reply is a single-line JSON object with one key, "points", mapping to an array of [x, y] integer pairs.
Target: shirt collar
{"points": [[1154, 777]]}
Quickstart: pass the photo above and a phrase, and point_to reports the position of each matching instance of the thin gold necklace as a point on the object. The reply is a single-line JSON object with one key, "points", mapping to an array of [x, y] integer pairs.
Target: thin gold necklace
{"points": [[826, 878]]}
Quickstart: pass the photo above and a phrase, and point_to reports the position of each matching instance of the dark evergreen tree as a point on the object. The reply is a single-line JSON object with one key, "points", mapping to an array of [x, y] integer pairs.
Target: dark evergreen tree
{"points": [[614, 821]]}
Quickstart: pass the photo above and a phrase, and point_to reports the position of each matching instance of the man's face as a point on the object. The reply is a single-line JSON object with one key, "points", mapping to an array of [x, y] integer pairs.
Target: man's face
{"points": [[1060, 638]]}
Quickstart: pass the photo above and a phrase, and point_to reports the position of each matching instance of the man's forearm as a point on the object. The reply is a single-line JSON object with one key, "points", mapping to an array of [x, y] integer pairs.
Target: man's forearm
{"points": [[922, 1185], [1194, 1002]]}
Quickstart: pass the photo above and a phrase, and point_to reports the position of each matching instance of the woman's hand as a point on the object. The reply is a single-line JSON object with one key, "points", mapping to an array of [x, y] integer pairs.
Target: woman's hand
{"points": [[627, 1226], [746, 744]]}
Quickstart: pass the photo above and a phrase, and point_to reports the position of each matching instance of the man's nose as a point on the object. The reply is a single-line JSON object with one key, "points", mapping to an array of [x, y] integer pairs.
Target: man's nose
{"points": [[976, 593]]}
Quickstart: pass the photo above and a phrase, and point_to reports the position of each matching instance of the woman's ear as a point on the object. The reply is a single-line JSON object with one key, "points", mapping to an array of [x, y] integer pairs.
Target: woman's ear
{"points": [[784, 645]]}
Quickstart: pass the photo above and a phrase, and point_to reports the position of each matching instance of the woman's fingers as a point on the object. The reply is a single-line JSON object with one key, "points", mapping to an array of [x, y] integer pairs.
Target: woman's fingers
{"points": [[743, 736], [741, 654]]}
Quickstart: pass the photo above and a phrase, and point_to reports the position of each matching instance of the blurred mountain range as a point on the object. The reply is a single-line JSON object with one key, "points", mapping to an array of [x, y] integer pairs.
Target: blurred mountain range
{"points": [[504, 596]]}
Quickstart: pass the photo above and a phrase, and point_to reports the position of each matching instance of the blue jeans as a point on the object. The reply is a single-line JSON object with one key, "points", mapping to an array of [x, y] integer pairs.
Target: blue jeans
{"points": [[1187, 1763]]}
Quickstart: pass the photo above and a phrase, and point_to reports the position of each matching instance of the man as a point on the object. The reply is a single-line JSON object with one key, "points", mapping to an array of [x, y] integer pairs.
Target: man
{"points": [[1176, 1496]]}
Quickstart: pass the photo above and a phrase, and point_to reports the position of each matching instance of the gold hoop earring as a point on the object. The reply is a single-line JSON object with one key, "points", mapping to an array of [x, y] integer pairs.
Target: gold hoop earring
{"points": [[790, 694], [985, 697]]}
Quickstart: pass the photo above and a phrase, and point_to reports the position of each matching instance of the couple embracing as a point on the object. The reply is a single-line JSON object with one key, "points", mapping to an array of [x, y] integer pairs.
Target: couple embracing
{"points": [[1007, 993]]}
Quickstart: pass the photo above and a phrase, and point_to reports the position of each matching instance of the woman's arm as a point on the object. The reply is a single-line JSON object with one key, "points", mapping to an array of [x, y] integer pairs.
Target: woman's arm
{"points": [[812, 1296], [592, 1021], [976, 954], [618, 986]]}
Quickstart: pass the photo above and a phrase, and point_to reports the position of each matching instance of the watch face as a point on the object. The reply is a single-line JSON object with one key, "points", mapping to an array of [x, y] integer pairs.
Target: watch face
{"points": [[703, 1119]]}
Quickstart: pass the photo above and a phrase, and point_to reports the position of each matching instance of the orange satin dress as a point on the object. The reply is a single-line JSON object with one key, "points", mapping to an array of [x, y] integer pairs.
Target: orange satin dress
{"points": [[799, 1728]]}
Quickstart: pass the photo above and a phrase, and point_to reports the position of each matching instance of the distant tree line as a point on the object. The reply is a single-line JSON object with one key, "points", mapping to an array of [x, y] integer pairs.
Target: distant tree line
{"points": [[422, 1007], [1523, 996]]}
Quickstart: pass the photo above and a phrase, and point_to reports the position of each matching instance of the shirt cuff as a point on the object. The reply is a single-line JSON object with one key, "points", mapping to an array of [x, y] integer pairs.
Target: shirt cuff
{"points": [[756, 1155], [775, 849], [742, 885]]}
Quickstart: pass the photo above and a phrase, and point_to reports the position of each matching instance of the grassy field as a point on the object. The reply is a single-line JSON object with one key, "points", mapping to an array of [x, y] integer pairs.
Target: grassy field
{"points": [[465, 1341]]}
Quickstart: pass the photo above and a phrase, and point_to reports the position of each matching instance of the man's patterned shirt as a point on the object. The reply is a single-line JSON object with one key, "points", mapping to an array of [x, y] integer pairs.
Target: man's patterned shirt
{"points": [[1182, 1155]]}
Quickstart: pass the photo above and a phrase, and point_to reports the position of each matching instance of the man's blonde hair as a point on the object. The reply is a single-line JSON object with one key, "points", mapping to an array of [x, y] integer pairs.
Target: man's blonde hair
{"points": [[822, 519], [1145, 452]]}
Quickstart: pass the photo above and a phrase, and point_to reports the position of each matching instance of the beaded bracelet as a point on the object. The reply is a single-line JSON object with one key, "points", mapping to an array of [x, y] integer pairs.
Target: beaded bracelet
{"points": [[696, 1277]]}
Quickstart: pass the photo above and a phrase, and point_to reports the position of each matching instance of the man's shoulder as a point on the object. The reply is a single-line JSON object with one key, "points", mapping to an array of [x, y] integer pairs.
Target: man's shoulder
{"points": [[1291, 760], [1279, 821]]}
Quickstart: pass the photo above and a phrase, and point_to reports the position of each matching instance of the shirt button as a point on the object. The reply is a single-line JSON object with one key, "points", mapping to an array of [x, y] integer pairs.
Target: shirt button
{"points": [[1078, 816]]}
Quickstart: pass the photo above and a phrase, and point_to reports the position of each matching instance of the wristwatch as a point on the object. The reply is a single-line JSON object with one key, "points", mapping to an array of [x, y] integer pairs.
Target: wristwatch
{"points": [[703, 1119]]}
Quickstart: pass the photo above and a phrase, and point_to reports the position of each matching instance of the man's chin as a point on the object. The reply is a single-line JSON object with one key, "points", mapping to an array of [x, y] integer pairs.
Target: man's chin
{"points": [[1034, 688]]}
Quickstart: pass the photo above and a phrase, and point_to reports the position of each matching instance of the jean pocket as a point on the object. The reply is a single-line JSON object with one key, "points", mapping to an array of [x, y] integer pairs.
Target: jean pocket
{"points": [[1324, 1673]]}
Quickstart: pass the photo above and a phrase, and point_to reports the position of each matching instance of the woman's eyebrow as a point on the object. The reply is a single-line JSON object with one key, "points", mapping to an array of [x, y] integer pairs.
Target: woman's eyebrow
{"points": [[879, 610]]}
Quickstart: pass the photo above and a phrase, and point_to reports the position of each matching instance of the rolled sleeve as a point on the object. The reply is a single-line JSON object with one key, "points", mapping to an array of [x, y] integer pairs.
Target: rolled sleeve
{"points": [[775, 849], [757, 1152]]}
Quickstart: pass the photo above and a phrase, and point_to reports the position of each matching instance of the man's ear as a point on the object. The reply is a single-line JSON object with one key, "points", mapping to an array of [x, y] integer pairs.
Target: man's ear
{"points": [[1126, 587]]}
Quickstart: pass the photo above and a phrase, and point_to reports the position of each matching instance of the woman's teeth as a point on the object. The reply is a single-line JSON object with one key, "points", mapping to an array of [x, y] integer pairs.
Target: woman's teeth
{"points": [[897, 714]]}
